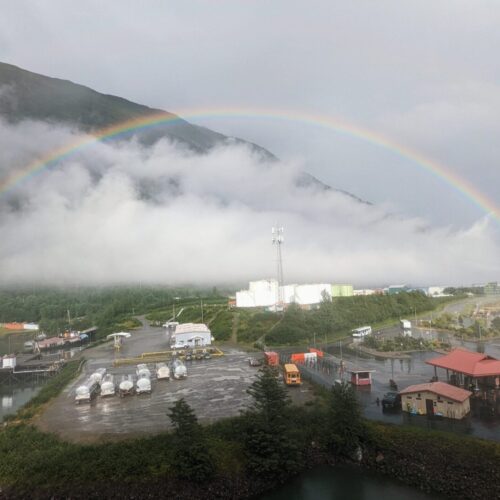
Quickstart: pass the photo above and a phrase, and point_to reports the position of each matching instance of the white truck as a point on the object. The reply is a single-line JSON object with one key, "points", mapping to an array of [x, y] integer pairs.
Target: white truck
{"points": [[405, 326]]}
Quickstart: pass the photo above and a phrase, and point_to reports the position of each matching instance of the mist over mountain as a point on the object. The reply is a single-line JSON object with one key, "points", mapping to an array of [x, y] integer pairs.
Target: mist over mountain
{"points": [[183, 204]]}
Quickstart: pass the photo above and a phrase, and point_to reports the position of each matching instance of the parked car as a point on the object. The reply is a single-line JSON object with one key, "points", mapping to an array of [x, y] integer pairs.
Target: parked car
{"points": [[254, 362], [391, 400]]}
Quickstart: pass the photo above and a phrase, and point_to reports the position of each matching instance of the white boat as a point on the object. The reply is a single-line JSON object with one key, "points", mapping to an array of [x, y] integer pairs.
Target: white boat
{"points": [[178, 369], [143, 369], [108, 385], [86, 392], [162, 371], [143, 385], [126, 386], [98, 375]]}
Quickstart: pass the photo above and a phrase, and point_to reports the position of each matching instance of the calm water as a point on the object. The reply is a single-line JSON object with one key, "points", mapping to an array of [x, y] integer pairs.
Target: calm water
{"points": [[12, 397], [344, 483]]}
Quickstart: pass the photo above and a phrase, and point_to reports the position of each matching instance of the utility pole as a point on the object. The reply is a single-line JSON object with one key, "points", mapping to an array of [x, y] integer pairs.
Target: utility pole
{"points": [[277, 240], [201, 305]]}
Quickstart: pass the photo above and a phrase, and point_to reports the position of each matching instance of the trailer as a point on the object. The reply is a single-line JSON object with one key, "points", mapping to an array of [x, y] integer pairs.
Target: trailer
{"points": [[98, 375], [108, 385], [405, 326], [143, 370], [178, 369], [143, 384], [87, 391], [162, 371], [126, 387]]}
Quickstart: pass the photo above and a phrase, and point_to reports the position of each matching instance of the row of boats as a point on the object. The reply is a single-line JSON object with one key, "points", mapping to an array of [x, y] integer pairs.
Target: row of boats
{"points": [[103, 383]]}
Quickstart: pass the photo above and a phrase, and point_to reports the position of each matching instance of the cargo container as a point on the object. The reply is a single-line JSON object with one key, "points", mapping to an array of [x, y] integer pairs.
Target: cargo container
{"points": [[272, 358], [291, 374], [361, 377], [303, 357], [319, 353]]}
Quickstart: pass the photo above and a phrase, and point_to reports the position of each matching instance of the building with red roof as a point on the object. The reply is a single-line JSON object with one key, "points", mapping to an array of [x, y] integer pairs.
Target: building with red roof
{"points": [[436, 398], [467, 368]]}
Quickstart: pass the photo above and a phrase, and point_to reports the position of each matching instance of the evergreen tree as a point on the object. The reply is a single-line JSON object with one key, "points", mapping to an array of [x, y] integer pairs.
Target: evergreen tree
{"points": [[192, 459], [270, 449], [346, 428]]}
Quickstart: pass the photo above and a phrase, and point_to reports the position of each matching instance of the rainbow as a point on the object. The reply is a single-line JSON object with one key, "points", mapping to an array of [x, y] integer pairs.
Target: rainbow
{"points": [[435, 168]]}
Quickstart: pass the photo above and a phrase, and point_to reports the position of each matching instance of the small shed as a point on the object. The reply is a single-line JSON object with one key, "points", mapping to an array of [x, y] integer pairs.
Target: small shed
{"points": [[361, 377], [436, 399]]}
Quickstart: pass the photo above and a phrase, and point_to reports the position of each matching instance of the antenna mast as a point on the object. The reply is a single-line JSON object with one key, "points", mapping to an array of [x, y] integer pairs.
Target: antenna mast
{"points": [[277, 240]]}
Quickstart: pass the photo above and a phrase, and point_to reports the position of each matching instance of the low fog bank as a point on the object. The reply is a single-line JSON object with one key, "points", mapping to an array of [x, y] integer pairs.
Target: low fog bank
{"points": [[119, 213]]}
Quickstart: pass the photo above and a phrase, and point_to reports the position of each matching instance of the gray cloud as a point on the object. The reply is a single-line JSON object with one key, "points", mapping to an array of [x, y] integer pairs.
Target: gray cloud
{"points": [[119, 213]]}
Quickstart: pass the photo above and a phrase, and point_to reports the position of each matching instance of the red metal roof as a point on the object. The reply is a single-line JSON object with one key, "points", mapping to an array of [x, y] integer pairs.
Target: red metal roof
{"points": [[440, 388], [471, 363]]}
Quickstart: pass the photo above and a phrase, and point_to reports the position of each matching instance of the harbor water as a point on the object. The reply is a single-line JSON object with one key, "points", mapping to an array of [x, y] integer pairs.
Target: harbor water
{"points": [[344, 483]]}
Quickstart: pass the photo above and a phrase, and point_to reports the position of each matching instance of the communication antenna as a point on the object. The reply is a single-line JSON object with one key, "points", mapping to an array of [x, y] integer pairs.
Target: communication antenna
{"points": [[277, 240]]}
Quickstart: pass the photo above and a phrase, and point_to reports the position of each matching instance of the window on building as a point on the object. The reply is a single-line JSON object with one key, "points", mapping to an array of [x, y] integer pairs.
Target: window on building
{"points": [[450, 402]]}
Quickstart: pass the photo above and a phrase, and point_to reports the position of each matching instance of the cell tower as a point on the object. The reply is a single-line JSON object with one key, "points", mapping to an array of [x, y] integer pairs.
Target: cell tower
{"points": [[277, 233]]}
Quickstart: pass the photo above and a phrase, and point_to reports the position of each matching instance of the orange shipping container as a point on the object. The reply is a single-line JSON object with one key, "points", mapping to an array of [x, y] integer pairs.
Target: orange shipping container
{"points": [[317, 351], [14, 326], [297, 358], [272, 358]]}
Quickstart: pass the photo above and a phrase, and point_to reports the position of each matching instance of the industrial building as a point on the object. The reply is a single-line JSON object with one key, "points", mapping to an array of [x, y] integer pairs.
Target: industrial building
{"points": [[436, 398], [267, 293], [191, 335]]}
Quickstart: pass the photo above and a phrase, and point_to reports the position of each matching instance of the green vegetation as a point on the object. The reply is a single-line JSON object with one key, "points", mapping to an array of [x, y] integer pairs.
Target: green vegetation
{"points": [[265, 445], [346, 427], [334, 319], [401, 343], [192, 456]]}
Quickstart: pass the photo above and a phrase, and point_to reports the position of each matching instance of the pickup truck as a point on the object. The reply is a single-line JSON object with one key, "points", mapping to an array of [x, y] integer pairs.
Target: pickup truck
{"points": [[391, 400]]}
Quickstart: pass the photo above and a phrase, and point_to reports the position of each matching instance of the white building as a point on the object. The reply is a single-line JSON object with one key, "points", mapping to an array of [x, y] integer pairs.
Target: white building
{"points": [[191, 335], [264, 293], [312, 294], [365, 291]]}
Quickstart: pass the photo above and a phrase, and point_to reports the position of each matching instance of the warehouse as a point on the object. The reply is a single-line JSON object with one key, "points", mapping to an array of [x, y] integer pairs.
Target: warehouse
{"points": [[436, 399], [191, 335]]}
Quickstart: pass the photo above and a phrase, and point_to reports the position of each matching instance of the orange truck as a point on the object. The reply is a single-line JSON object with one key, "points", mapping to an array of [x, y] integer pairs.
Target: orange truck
{"points": [[291, 374]]}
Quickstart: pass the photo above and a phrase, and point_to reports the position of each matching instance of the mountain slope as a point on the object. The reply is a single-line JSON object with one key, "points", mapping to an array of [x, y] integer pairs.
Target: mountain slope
{"points": [[27, 95]]}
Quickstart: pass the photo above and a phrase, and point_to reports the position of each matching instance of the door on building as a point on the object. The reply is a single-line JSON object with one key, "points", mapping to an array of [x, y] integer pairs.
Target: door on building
{"points": [[429, 408]]}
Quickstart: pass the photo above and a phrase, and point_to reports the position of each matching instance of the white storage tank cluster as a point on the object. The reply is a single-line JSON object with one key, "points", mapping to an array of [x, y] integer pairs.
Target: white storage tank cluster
{"points": [[312, 294]]}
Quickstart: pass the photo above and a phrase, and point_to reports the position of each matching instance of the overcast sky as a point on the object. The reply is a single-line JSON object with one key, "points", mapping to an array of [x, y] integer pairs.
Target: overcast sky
{"points": [[424, 73]]}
